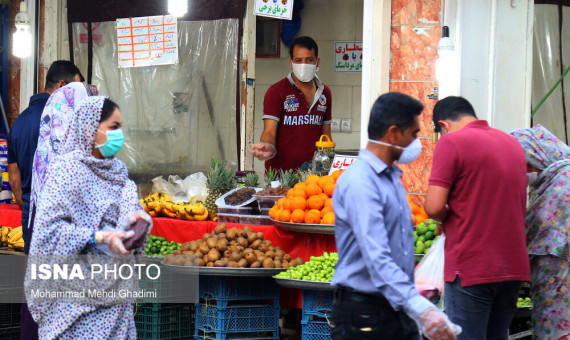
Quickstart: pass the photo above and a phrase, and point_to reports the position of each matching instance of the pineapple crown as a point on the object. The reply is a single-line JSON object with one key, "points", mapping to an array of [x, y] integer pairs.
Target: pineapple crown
{"points": [[219, 179], [270, 175], [251, 180], [288, 178]]}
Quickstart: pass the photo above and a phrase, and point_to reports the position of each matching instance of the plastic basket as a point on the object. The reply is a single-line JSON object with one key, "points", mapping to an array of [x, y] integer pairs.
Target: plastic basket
{"points": [[11, 333], [238, 318], [317, 302], [315, 330], [238, 336], [164, 285], [224, 289], [10, 315], [164, 321]]}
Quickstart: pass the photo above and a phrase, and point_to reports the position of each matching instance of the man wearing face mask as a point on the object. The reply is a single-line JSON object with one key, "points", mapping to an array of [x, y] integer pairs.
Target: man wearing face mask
{"points": [[477, 189], [296, 111], [375, 295]]}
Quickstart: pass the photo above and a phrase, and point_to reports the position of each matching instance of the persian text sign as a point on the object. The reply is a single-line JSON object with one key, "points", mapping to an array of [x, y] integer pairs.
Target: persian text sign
{"points": [[348, 56], [280, 9], [147, 41], [341, 162]]}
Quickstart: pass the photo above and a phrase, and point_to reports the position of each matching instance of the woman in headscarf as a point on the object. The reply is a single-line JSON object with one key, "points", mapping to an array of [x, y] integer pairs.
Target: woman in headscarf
{"points": [[86, 194], [547, 231]]}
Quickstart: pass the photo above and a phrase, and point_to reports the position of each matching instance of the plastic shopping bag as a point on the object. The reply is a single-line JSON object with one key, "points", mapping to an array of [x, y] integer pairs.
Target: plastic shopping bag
{"points": [[429, 272], [191, 189]]}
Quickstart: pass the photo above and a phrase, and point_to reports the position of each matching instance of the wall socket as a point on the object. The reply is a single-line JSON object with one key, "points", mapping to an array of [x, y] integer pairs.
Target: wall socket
{"points": [[346, 125], [335, 125]]}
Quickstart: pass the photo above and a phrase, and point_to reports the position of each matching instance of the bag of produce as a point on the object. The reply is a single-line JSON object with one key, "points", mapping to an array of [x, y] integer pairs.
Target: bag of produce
{"points": [[429, 272], [190, 188]]}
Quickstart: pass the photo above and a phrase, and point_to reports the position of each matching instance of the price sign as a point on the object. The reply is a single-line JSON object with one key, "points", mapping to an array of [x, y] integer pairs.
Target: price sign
{"points": [[341, 162]]}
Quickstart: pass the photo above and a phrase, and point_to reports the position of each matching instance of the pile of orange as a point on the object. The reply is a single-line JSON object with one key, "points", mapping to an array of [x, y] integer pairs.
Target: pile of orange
{"points": [[308, 202], [419, 215]]}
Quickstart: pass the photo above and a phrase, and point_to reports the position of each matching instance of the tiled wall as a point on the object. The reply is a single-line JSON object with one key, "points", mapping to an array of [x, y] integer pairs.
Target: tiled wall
{"points": [[415, 31]]}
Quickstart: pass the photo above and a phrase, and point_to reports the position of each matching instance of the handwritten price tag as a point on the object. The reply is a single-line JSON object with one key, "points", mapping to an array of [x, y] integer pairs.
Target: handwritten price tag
{"points": [[341, 162]]}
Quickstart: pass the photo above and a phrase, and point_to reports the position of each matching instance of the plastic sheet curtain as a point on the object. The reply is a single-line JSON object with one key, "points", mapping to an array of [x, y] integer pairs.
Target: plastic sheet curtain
{"points": [[551, 56], [175, 117]]}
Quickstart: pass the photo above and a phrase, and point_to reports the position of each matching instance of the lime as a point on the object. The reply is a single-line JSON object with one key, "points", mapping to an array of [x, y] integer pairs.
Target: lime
{"points": [[422, 230], [420, 248], [432, 227], [429, 236]]}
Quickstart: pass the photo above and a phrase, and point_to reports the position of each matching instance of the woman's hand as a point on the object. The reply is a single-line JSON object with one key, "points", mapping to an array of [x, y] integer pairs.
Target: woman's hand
{"points": [[114, 239], [139, 215]]}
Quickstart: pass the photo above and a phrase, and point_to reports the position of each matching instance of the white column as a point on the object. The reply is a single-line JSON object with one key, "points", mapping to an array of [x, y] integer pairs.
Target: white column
{"points": [[247, 87], [27, 65], [375, 58]]}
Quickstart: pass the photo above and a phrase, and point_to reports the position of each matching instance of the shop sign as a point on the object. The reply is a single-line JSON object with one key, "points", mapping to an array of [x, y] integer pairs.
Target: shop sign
{"points": [[147, 41], [348, 56], [280, 9], [341, 162]]}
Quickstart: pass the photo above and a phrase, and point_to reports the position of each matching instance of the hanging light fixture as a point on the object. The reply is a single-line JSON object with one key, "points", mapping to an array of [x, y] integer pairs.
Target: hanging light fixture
{"points": [[178, 7], [22, 39], [446, 66]]}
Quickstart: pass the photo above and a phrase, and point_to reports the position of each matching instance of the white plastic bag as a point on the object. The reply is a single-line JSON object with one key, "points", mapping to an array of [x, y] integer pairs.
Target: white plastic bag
{"points": [[191, 189], [429, 272]]}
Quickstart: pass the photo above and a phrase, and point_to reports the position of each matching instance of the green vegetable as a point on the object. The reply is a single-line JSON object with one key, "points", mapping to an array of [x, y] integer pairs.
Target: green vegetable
{"points": [[317, 269]]}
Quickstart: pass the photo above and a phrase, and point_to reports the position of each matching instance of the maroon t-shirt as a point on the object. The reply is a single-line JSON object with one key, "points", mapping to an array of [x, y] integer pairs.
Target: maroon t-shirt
{"points": [[300, 123], [485, 172]]}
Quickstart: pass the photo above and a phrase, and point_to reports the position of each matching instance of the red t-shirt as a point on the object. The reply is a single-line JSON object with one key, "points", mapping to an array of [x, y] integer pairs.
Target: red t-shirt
{"points": [[300, 123], [485, 172]]}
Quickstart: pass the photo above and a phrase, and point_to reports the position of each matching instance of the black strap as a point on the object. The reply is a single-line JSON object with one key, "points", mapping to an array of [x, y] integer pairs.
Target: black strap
{"points": [[89, 52], [70, 35]]}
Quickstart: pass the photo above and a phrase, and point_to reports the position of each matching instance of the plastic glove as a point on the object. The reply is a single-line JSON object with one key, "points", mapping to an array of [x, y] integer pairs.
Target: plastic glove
{"points": [[435, 325], [263, 151], [114, 240], [139, 215]]}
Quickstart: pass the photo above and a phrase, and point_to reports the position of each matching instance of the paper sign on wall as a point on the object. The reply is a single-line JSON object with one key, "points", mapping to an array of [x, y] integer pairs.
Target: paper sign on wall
{"points": [[341, 162], [280, 9], [348, 56], [147, 41]]}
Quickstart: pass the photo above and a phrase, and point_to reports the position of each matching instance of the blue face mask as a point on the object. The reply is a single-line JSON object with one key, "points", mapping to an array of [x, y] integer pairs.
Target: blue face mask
{"points": [[114, 143]]}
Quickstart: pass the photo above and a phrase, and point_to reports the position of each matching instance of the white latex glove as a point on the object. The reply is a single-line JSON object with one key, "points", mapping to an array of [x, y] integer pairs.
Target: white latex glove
{"points": [[114, 240], [139, 215], [435, 325], [263, 151]]}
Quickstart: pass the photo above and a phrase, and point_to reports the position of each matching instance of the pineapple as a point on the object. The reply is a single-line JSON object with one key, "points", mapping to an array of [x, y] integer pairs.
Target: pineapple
{"points": [[303, 174], [219, 181], [288, 178], [270, 176], [252, 180]]}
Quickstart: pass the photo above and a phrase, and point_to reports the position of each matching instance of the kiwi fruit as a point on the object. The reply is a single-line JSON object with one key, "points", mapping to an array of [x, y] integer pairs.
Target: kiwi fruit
{"points": [[270, 254], [258, 253], [206, 236], [256, 244], [247, 229], [277, 264], [299, 261], [210, 264], [231, 234], [262, 248], [169, 258], [188, 263], [256, 264], [235, 256], [221, 246], [179, 261], [220, 263], [287, 257], [186, 246], [250, 257], [233, 248], [251, 237], [284, 264], [199, 253], [213, 255], [260, 258], [260, 235], [232, 243], [247, 250], [220, 228], [277, 257], [176, 252], [194, 245], [227, 253], [279, 252], [243, 263], [188, 252], [242, 233], [242, 242], [268, 263], [222, 236], [201, 262], [233, 264], [211, 243], [278, 248]]}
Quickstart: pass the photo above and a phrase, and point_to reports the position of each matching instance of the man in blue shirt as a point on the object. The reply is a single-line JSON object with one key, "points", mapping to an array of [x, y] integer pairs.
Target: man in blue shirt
{"points": [[375, 296], [23, 137]]}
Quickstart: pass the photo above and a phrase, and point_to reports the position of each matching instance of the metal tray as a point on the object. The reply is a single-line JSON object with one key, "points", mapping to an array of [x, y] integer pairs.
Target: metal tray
{"points": [[303, 284], [151, 258], [307, 228], [224, 271]]}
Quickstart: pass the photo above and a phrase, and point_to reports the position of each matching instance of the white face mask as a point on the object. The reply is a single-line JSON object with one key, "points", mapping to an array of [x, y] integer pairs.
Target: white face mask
{"points": [[532, 178], [411, 152], [305, 72]]}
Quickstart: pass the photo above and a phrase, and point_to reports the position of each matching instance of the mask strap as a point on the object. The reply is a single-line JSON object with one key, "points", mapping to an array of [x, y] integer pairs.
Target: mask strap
{"points": [[386, 144]]}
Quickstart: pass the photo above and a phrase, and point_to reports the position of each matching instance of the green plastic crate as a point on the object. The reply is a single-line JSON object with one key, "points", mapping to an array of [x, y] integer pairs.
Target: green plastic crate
{"points": [[164, 321]]}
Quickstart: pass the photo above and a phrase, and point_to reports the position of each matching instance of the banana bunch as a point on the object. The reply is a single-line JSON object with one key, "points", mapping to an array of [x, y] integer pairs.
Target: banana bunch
{"points": [[159, 204], [11, 237]]}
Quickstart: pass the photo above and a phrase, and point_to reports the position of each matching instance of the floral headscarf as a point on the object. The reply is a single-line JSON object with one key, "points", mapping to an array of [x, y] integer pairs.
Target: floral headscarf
{"points": [[548, 213]]}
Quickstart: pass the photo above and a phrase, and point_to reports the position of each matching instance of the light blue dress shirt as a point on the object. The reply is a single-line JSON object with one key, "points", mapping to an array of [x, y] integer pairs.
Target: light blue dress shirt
{"points": [[374, 234]]}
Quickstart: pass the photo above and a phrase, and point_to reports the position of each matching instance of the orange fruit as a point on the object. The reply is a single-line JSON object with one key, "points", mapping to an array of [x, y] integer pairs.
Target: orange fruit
{"points": [[298, 203], [328, 218], [323, 181], [272, 212], [290, 193], [300, 185], [313, 179], [415, 209], [335, 175], [280, 202], [324, 196], [284, 215], [287, 203], [326, 210], [329, 189], [329, 203], [298, 216], [316, 202], [299, 193], [313, 189], [312, 218]]}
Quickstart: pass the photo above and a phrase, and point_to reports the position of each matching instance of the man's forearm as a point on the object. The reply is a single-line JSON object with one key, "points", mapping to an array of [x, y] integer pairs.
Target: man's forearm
{"points": [[15, 183]]}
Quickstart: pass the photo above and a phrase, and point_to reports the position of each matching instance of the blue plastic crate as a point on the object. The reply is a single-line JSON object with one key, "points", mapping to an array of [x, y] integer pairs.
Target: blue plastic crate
{"points": [[315, 330], [167, 285], [238, 318], [237, 336], [224, 289], [317, 302], [164, 321], [10, 315]]}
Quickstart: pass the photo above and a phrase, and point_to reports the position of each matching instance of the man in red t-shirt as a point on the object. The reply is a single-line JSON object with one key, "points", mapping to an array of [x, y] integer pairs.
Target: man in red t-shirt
{"points": [[296, 111], [477, 189]]}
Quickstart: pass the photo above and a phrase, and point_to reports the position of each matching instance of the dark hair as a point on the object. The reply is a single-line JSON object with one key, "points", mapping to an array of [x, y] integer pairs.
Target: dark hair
{"points": [[392, 108], [61, 70], [109, 107], [306, 42], [451, 108]]}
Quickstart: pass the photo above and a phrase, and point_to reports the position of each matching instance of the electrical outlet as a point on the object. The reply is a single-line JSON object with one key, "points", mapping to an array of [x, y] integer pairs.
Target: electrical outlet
{"points": [[335, 126], [346, 125]]}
